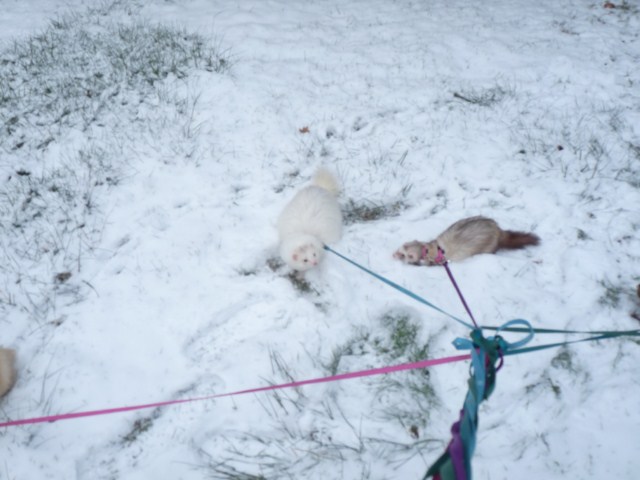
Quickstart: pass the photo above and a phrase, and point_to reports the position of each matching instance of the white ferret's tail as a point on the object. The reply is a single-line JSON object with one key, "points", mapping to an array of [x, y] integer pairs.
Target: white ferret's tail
{"points": [[325, 179]]}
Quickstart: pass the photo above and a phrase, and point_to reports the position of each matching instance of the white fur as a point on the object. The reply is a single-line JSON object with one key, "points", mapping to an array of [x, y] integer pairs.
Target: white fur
{"points": [[7, 370], [324, 178], [309, 221]]}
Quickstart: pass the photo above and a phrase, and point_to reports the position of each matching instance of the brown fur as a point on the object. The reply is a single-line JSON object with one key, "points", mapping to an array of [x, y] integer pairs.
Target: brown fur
{"points": [[464, 239], [7, 370]]}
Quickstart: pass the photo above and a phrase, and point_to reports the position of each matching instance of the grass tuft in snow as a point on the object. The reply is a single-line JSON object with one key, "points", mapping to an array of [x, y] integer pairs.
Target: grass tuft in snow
{"points": [[631, 172], [582, 235], [297, 279], [275, 263], [50, 219], [544, 385], [593, 144], [79, 102], [82, 65], [140, 426], [307, 436], [625, 6], [396, 341], [612, 294], [564, 360], [566, 374], [367, 211], [483, 97], [300, 283], [221, 470]]}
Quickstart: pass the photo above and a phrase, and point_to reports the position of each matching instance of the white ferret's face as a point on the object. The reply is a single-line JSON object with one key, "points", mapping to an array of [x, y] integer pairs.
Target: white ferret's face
{"points": [[305, 257]]}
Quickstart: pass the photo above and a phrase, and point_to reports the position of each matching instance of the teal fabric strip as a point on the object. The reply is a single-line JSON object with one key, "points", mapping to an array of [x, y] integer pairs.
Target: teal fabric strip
{"points": [[582, 340], [527, 328], [560, 331], [455, 462]]}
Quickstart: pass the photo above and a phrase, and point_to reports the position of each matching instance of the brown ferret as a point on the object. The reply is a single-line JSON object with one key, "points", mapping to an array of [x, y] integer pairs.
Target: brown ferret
{"points": [[464, 239], [7, 370]]}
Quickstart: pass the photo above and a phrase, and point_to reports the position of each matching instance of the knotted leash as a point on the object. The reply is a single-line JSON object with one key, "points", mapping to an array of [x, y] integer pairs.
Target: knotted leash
{"points": [[486, 359]]}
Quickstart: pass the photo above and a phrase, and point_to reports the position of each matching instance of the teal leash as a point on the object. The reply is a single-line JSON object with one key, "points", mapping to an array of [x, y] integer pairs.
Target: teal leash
{"points": [[601, 333], [615, 333], [607, 335], [486, 360], [400, 288]]}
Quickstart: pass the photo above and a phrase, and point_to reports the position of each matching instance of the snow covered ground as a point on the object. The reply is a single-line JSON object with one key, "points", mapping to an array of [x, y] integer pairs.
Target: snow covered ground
{"points": [[139, 263]]}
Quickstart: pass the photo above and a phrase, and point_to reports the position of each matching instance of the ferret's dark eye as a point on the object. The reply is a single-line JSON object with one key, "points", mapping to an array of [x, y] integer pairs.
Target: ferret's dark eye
{"points": [[305, 260]]}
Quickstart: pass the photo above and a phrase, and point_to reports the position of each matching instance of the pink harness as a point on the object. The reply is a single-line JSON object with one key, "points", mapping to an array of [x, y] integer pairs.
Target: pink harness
{"points": [[440, 258]]}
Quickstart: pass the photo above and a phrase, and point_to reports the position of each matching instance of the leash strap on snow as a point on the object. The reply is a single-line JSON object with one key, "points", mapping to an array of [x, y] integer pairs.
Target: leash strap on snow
{"points": [[513, 350], [443, 261], [293, 384], [486, 360], [399, 288], [610, 333], [606, 336]]}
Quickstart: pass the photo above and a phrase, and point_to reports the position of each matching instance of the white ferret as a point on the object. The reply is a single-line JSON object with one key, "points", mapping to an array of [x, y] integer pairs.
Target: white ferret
{"points": [[309, 221], [7, 370]]}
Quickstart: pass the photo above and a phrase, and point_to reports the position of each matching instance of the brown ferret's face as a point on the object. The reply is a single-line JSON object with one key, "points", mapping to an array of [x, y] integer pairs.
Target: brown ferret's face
{"points": [[418, 253], [411, 253]]}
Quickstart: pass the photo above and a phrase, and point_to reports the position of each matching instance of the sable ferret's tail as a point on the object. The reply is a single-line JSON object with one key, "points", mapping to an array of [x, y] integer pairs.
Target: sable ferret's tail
{"points": [[514, 240], [325, 179]]}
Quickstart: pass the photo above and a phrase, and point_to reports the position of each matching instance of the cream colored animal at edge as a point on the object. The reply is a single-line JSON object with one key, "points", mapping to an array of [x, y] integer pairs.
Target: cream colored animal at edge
{"points": [[464, 239], [309, 221], [7, 370]]}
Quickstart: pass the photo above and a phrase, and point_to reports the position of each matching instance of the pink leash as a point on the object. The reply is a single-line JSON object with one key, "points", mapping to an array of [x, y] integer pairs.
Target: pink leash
{"points": [[333, 378]]}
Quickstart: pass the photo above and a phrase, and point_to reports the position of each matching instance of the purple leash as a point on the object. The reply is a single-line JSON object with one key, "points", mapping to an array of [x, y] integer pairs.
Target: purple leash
{"points": [[442, 260]]}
